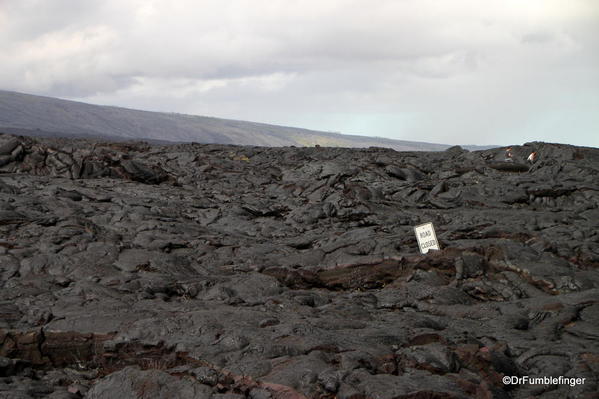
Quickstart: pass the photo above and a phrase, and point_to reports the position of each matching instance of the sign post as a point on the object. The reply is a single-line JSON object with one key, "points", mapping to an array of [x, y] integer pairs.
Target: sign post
{"points": [[427, 239]]}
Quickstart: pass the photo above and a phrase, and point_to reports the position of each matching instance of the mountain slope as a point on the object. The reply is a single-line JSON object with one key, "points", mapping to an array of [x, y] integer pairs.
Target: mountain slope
{"points": [[45, 116]]}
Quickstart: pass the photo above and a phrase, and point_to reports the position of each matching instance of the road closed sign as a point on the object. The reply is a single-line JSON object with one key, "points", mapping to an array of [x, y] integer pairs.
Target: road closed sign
{"points": [[427, 239]]}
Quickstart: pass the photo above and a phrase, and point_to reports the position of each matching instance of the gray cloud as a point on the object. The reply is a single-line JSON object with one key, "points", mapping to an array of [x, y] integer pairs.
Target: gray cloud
{"points": [[537, 37], [459, 72]]}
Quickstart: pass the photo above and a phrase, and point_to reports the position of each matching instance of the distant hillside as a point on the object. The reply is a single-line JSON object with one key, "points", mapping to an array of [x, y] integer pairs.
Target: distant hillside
{"points": [[46, 116]]}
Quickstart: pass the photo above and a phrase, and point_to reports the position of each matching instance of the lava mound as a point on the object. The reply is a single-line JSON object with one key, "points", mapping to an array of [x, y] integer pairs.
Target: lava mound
{"points": [[217, 271]]}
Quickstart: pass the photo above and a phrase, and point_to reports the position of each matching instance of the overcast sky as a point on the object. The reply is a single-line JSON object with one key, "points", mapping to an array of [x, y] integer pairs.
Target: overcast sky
{"points": [[457, 72]]}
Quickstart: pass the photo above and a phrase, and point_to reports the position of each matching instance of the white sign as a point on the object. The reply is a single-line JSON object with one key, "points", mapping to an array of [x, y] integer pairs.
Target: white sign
{"points": [[427, 239]]}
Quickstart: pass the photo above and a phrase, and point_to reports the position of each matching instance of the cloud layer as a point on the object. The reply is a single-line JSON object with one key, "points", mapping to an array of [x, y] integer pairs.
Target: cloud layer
{"points": [[469, 72]]}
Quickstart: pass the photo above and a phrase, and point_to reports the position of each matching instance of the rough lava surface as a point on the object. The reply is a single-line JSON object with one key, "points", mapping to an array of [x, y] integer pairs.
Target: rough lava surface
{"points": [[218, 271]]}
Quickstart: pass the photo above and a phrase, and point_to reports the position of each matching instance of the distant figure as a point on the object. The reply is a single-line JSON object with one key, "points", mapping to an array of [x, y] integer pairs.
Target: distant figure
{"points": [[508, 155], [532, 157]]}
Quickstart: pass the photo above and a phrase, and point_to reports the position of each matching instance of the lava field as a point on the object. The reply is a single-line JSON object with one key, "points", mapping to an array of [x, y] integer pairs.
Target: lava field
{"points": [[130, 270]]}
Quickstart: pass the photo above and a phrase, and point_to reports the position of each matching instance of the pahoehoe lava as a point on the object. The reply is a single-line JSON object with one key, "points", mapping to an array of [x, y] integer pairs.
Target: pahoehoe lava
{"points": [[130, 270]]}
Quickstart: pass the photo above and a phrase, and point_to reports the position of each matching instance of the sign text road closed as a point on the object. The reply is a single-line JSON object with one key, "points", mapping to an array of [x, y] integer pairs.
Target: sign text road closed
{"points": [[427, 239]]}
